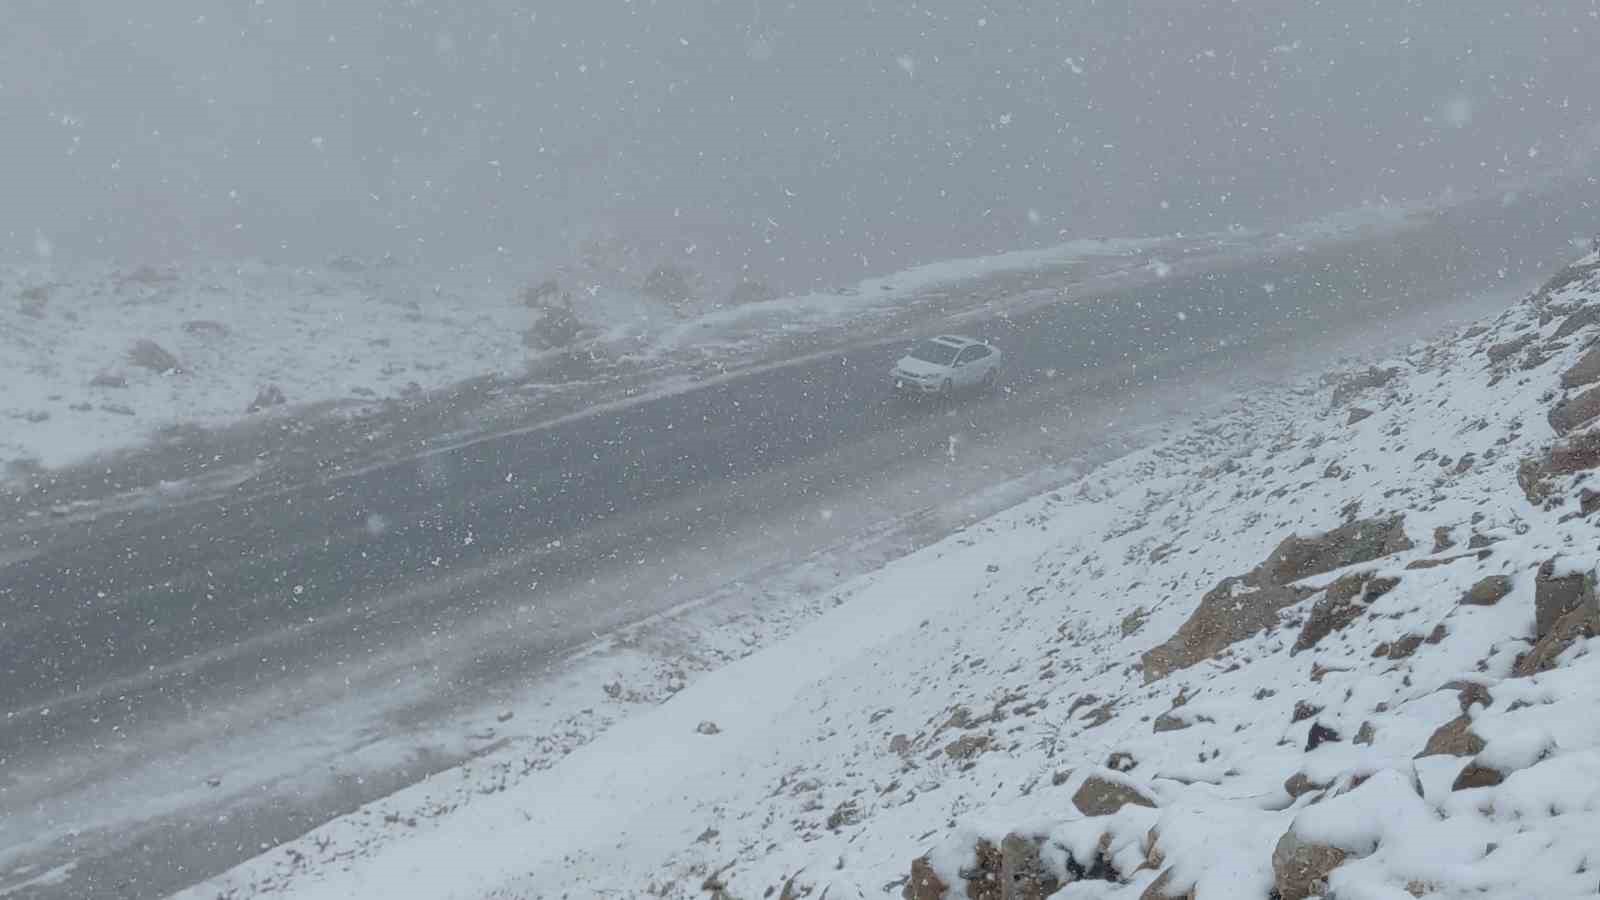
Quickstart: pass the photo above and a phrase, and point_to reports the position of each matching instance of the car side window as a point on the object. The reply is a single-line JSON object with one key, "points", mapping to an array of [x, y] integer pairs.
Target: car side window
{"points": [[967, 355]]}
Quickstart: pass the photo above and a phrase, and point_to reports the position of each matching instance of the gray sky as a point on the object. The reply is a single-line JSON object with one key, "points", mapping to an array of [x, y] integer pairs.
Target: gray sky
{"points": [[806, 141]]}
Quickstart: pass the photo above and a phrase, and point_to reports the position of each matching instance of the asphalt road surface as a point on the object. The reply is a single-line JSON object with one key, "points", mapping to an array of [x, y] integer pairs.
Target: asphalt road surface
{"points": [[150, 615]]}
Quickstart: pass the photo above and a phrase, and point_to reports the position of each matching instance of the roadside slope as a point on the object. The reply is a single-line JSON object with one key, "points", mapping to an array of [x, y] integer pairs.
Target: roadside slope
{"points": [[1257, 629]]}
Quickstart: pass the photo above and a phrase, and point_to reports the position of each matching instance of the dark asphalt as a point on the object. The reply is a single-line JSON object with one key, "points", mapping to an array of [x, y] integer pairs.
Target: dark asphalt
{"points": [[132, 597], [314, 574]]}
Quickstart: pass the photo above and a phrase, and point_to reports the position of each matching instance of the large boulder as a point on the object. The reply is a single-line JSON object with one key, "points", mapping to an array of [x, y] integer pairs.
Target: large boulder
{"points": [[1575, 412], [1351, 385], [1241, 606], [1578, 453], [1584, 371], [1487, 591], [924, 883], [1023, 875], [1300, 868], [1357, 542], [1586, 315], [1558, 591], [1579, 623], [1453, 738], [1230, 612], [1100, 796], [1337, 608]]}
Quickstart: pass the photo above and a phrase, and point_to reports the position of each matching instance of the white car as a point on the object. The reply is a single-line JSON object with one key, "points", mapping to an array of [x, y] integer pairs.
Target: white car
{"points": [[947, 364]]}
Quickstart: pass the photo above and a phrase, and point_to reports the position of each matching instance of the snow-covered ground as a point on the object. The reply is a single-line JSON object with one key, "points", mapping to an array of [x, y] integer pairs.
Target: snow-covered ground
{"points": [[1336, 641], [98, 358]]}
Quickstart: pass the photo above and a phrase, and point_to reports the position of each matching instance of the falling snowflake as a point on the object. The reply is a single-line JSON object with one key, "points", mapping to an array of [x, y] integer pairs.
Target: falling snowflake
{"points": [[907, 63], [1458, 112], [1034, 217]]}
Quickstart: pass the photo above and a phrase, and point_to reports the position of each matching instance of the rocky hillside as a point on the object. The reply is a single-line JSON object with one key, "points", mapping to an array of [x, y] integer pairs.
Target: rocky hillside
{"points": [[1397, 700], [1337, 643]]}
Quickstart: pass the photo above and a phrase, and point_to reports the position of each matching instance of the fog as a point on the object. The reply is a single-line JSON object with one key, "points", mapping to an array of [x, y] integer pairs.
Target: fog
{"points": [[802, 142]]}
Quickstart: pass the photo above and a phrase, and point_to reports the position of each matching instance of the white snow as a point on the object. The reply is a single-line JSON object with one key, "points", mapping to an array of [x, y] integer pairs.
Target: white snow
{"points": [[967, 691]]}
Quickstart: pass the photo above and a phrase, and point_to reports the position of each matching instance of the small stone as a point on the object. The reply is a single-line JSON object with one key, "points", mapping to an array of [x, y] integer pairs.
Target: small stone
{"points": [[505, 716], [708, 727]]}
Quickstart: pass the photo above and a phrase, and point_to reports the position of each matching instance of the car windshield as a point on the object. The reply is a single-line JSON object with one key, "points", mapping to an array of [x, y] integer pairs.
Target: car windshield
{"points": [[935, 352]]}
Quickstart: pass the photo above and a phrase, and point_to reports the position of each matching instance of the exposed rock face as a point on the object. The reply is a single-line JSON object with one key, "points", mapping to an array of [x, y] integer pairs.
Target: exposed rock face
{"points": [[1023, 875], [1503, 351], [1102, 797], [1357, 542], [1469, 693], [1228, 613], [1577, 453], [1554, 597], [1581, 622], [924, 883], [1357, 414], [1299, 784], [1576, 411], [1584, 371], [1477, 776], [1351, 385], [1337, 608], [1587, 315], [1453, 738], [1488, 591], [967, 746], [1300, 869], [1239, 607]]}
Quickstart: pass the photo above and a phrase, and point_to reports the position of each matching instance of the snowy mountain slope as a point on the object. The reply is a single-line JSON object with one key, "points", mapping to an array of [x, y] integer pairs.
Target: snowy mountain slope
{"points": [[1337, 640]]}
